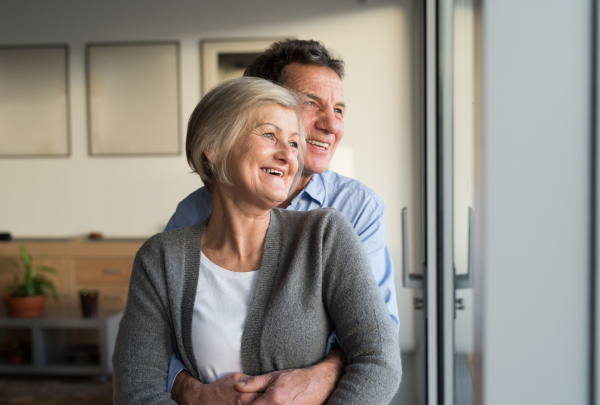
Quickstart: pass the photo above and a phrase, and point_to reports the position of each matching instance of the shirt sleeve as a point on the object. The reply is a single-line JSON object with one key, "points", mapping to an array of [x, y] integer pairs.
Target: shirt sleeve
{"points": [[370, 227], [175, 367], [191, 210]]}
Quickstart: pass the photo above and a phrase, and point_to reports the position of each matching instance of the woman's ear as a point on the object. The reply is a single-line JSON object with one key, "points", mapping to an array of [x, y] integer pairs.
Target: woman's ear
{"points": [[211, 156]]}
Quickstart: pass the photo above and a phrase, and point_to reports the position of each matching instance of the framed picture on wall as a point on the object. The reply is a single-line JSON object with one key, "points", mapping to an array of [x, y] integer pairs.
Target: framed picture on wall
{"points": [[34, 101], [133, 99], [224, 59]]}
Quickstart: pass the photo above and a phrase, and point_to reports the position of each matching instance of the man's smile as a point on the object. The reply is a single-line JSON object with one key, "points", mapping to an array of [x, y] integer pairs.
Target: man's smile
{"points": [[319, 145]]}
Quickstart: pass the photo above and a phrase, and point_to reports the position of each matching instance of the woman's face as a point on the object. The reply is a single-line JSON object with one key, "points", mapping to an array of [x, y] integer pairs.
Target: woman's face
{"points": [[264, 159]]}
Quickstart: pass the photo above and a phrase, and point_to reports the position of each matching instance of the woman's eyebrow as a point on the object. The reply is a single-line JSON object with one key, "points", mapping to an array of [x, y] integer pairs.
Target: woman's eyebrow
{"points": [[268, 123]]}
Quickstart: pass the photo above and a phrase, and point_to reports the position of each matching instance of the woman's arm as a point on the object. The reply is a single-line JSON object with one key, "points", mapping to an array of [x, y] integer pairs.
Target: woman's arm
{"points": [[358, 312], [144, 345]]}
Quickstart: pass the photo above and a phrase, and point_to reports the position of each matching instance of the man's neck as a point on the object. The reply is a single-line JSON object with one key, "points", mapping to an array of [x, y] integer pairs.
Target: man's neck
{"points": [[303, 182]]}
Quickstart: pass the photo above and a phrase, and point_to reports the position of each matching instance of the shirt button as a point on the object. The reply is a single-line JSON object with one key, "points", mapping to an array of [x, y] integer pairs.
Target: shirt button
{"points": [[299, 201]]}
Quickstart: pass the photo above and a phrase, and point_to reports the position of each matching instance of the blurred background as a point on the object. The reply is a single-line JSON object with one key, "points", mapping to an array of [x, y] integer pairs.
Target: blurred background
{"points": [[478, 117]]}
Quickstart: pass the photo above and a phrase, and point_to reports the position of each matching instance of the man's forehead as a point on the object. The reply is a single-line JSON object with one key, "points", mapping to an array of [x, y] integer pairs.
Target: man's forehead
{"points": [[313, 81]]}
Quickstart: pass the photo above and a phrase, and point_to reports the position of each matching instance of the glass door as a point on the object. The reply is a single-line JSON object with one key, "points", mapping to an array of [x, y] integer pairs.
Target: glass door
{"points": [[456, 204], [419, 222], [439, 235], [463, 197]]}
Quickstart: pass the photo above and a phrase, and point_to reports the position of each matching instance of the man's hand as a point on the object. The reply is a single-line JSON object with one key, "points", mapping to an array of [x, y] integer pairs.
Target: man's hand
{"points": [[189, 391], [305, 386]]}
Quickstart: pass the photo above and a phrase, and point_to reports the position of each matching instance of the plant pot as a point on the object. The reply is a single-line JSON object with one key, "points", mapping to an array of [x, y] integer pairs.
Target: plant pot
{"points": [[25, 307]]}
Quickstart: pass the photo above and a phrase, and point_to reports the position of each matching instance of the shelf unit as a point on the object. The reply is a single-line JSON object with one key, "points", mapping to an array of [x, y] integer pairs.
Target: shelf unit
{"points": [[51, 337]]}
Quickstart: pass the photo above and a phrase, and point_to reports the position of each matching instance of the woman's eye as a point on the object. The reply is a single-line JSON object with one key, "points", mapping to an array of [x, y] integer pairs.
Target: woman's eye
{"points": [[294, 145], [269, 135]]}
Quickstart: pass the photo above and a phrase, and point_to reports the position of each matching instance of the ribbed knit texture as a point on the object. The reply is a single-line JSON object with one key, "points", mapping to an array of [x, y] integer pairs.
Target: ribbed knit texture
{"points": [[314, 277]]}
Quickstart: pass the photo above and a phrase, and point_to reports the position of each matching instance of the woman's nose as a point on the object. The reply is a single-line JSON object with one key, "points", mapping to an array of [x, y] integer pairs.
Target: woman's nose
{"points": [[286, 152]]}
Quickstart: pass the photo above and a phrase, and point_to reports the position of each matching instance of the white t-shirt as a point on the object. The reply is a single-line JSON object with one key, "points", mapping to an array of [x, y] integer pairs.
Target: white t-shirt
{"points": [[223, 299]]}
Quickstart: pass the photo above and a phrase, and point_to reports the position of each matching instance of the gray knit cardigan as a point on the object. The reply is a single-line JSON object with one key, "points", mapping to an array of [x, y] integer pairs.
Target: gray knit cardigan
{"points": [[314, 277]]}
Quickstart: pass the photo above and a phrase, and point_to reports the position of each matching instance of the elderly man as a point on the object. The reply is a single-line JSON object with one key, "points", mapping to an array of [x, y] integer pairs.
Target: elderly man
{"points": [[307, 68]]}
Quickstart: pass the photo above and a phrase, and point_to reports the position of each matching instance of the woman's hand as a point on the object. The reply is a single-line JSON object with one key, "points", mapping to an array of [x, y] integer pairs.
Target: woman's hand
{"points": [[189, 391], [304, 386]]}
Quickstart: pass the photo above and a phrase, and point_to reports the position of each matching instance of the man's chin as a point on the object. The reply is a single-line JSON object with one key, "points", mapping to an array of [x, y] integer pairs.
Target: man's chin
{"points": [[309, 171]]}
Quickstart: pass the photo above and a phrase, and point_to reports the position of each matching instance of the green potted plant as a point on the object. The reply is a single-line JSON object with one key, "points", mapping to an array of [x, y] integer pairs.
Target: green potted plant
{"points": [[27, 295]]}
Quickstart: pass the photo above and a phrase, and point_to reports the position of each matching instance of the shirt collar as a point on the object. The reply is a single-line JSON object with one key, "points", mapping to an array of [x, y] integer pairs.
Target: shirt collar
{"points": [[316, 188]]}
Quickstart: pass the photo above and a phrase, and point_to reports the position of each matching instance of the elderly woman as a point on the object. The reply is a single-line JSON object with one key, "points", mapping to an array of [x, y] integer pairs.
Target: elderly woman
{"points": [[253, 288]]}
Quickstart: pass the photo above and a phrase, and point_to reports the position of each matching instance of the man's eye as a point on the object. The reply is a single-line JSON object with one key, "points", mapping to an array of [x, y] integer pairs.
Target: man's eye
{"points": [[310, 103], [269, 135], [339, 111]]}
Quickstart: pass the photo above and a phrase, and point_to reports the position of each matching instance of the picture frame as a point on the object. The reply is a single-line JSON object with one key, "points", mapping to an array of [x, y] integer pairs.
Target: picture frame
{"points": [[134, 95], [34, 101], [224, 59]]}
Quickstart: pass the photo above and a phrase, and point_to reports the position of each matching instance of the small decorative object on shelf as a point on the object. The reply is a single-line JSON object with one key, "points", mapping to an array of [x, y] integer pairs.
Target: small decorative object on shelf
{"points": [[26, 298], [89, 303], [96, 235]]}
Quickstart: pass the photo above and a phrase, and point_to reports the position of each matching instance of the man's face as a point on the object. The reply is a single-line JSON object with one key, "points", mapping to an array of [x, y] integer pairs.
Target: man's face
{"points": [[323, 114]]}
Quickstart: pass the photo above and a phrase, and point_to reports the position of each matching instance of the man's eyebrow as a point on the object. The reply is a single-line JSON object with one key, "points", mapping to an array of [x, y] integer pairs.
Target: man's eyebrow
{"points": [[268, 123], [317, 98], [313, 96]]}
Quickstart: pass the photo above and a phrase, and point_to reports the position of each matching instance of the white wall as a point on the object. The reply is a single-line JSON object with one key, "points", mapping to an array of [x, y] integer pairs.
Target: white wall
{"points": [[537, 65], [125, 196]]}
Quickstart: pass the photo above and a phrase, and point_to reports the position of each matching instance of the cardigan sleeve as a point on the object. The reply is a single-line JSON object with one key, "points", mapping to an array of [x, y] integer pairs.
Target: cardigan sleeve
{"points": [[360, 317], [144, 340]]}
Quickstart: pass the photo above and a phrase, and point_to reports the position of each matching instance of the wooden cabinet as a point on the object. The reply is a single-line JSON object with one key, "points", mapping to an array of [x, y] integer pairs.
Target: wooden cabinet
{"points": [[91, 265]]}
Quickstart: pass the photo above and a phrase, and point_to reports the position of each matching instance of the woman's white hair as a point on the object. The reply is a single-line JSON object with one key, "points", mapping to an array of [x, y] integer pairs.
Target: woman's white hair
{"points": [[225, 113]]}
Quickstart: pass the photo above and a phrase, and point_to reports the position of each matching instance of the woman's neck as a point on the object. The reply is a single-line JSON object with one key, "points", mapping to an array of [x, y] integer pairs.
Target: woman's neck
{"points": [[235, 235]]}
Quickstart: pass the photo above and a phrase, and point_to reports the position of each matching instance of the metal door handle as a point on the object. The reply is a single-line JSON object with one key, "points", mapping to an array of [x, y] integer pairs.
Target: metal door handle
{"points": [[462, 281], [408, 280]]}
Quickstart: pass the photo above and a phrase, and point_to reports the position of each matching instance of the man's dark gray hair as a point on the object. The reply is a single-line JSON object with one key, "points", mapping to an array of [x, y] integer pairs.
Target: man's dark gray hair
{"points": [[271, 63]]}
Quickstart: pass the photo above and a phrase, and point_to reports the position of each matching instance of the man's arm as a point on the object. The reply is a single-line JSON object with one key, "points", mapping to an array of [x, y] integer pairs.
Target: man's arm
{"points": [[175, 367], [189, 391], [370, 227], [305, 386]]}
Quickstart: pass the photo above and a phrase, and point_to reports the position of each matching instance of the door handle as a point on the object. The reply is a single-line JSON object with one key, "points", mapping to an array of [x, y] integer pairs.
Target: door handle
{"points": [[462, 281], [409, 280]]}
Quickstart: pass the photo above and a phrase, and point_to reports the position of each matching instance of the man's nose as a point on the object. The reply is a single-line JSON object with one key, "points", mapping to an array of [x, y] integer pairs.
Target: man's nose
{"points": [[327, 121]]}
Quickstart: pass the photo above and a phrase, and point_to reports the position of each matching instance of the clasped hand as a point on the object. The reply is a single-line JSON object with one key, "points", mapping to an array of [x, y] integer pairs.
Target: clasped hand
{"points": [[305, 386]]}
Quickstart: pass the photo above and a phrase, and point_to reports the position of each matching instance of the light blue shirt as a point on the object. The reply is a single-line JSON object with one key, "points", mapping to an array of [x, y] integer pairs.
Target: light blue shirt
{"points": [[363, 208]]}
